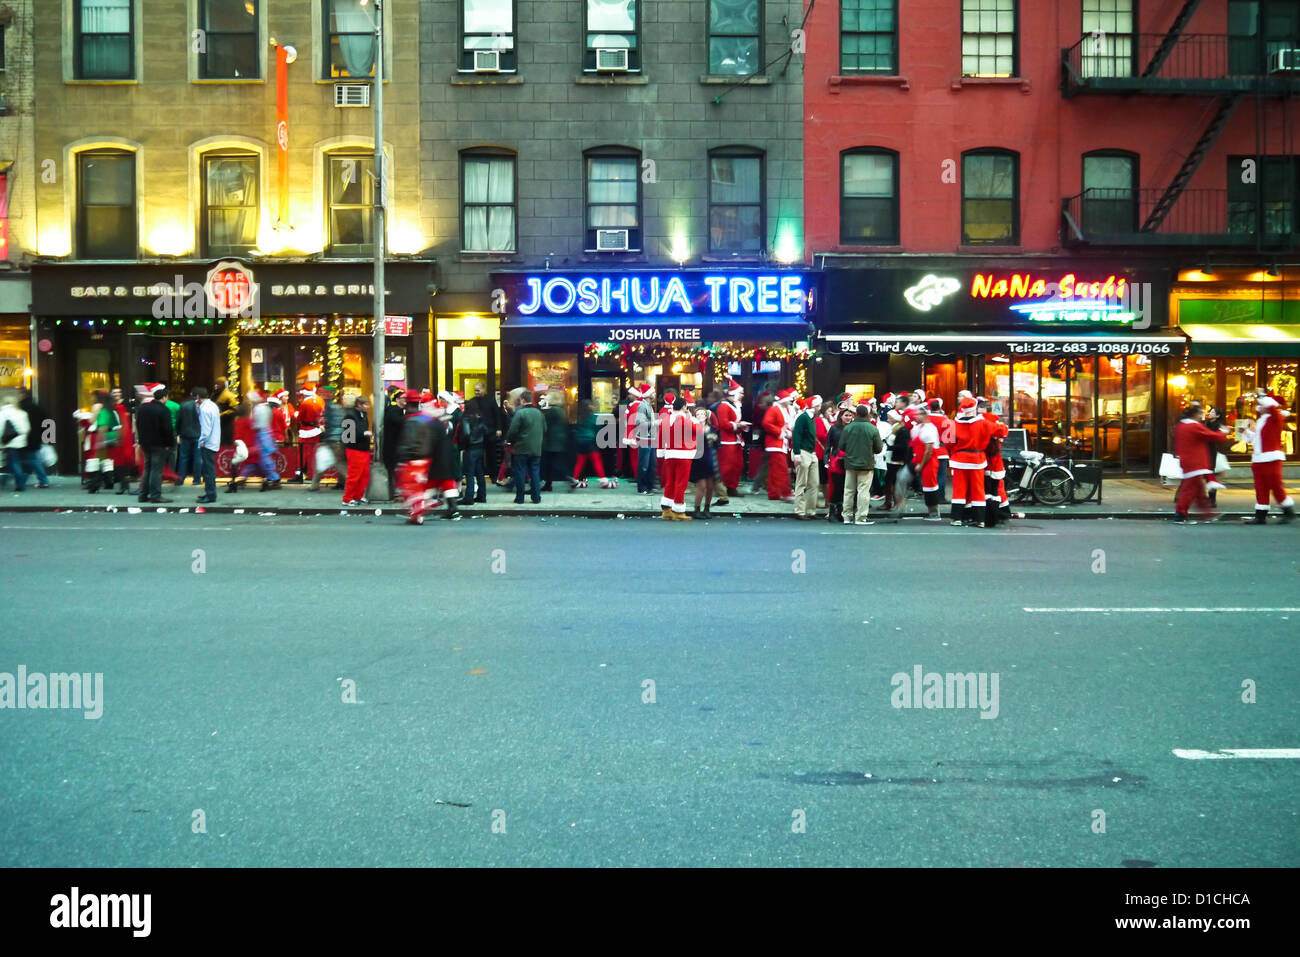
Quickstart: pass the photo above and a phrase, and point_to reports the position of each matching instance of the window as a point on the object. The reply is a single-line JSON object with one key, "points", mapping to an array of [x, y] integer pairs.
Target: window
{"points": [[735, 45], [488, 209], [869, 36], [613, 195], [2, 47], [1257, 29], [611, 25], [106, 219], [104, 41], [230, 47], [488, 25], [869, 197], [351, 198], [230, 203], [1109, 193], [1268, 205], [350, 34], [1107, 38], [988, 38], [735, 201], [989, 198]]}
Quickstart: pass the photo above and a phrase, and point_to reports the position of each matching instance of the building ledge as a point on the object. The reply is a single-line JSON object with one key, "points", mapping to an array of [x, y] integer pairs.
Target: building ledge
{"points": [[611, 79], [960, 81], [486, 79], [854, 79], [754, 79], [467, 257]]}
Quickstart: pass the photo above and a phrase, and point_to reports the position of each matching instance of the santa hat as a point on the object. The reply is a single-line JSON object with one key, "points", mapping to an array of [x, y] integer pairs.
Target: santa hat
{"points": [[669, 398], [1265, 400], [460, 397], [919, 395], [966, 409], [887, 399], [804, 403], [734, 387], [965, 394], [255, 396], [936, 405], [308, 391], [785, 395], [815, 403], [274, 399], [412, 396], [447, 398], [633, 392], [688, 397], [426, 395]]}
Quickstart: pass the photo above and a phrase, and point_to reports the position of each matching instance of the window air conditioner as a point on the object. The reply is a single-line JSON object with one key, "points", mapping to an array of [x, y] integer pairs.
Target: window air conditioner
{"points": [[611, 240], [1284, 61], [352, 94], [611, 61], [487, 61]]}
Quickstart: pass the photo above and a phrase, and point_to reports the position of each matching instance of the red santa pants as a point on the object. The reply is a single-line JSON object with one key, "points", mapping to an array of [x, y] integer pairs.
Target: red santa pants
{"points": [[358, 476], [412, 478], [778, 475], [730, 462], [1268, 481], [1193, 490], [676, 474], [967, 491], [597, 465], [930, 475], [307, 458]]}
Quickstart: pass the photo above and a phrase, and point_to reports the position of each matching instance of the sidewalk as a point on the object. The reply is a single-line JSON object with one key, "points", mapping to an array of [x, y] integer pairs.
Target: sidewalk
{"points": [[1121, 498]]}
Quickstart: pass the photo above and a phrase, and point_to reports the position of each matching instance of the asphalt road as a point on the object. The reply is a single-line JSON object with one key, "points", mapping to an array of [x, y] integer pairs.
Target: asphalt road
{"points": [[502, 718]]}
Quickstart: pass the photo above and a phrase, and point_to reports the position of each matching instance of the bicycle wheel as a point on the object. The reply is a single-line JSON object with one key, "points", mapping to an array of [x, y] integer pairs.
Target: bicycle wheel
{"points": [[1087, 481], [1052, 485]]}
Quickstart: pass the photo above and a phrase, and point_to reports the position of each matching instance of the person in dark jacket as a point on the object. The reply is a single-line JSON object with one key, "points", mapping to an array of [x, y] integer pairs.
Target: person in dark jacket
{"points": [[526, 436], [444, 461], [31, 457], [394, 422], [413, 453], [187, 435], [835, 465], [493, 418], [332, 424], [474, 434], [154, 435], [555, 444], [355, 436]]}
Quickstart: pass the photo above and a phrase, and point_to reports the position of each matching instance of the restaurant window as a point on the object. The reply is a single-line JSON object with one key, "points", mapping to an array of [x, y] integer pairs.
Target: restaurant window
{"points": [[735, 201], [230, 204], [869, 36], [869, 197], [1107, 41], [1109, 193], [988, 38], [351, 198], [1280, 380], [106, 205], [488, 204], [349, 39], [230, 50], [990, 198], [1137, 412], [612, 28], [735, 35], [613, 199], [1266, 204], [104, 40], [488, 25]]}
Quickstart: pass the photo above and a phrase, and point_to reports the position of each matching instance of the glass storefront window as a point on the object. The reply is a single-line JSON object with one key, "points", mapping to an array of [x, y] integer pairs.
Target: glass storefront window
{"points": [[1081, 374], [356, 371], [92, 375], [551, 370], [1052, 388], [1280, 379], [1024, 389], [1137, 412], [1239, 380], [468, 368], [1110, 409], [604, 394], [997, 388], [309, 362], [15, 356]]}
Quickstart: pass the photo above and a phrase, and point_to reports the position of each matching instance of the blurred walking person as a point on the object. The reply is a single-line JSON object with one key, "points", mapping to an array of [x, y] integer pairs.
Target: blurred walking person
{"points": [[31, 457], [14, 427], [1195, 446], [394, 422]]}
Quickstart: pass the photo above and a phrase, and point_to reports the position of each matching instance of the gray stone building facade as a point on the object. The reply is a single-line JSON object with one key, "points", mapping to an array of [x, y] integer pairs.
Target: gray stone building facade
{"points": [[677, 121]]}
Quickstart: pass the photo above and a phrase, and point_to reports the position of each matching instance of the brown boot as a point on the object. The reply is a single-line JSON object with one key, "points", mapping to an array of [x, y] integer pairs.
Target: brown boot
{"points": [[667, 515]]}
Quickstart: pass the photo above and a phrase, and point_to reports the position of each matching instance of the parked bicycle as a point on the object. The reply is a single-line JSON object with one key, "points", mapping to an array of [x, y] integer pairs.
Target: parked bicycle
{"points": [[1045, 479]]}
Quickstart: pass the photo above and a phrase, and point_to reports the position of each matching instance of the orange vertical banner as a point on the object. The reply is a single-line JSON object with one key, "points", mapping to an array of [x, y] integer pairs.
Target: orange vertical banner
{"points": [[282, 129]]}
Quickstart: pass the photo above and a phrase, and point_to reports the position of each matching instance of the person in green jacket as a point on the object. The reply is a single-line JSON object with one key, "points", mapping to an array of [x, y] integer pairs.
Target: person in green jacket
{"points": [[803, 449], [860, 442], [555, 447], [527, 432]]}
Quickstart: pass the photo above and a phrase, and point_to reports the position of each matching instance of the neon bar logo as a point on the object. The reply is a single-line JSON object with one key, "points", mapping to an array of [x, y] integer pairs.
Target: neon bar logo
{"points": [[663, 297]]}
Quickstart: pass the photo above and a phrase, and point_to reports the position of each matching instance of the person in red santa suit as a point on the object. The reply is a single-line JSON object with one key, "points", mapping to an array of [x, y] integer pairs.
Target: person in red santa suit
{"points": [[444, 482], [969, 458], [1266, 460], [279, 420], [413, 455], [665, 416], [1195, 447], [310, 410], [776, 430], [998, 508], [925, 460], [678, 441], [731, 455]]}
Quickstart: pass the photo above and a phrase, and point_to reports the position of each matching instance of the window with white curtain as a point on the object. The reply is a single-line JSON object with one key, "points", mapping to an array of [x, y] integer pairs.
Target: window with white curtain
{"points": [[613, 194], [106, 205], [104, 40], [230, 203], [735, 33], [612, 25], [350, 36], [488, 202], [735, 201], [351, 198], [488, 25]]}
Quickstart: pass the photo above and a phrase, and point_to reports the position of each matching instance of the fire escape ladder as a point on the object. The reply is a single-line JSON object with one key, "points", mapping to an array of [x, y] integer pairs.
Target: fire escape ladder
{"points": [[1171, 38], [1191, 164]]}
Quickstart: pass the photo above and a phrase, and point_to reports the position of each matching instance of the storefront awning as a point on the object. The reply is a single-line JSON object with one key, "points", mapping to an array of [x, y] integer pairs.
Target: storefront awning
{"points": [[546, 330], [1243, 339], [1013, 343]]}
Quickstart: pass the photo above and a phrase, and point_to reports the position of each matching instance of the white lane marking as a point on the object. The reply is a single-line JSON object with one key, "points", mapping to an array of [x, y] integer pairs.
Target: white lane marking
{"points": [[931, 532], [123, 528], [1157, 610], [1194, 754]]}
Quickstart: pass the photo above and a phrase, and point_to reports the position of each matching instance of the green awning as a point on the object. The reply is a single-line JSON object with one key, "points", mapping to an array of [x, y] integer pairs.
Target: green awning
{"points": [[1243, 339], [1244, 311]]}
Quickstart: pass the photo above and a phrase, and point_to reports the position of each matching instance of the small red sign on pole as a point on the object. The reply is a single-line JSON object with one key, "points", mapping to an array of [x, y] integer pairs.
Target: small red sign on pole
{"points": [[397, 325]]}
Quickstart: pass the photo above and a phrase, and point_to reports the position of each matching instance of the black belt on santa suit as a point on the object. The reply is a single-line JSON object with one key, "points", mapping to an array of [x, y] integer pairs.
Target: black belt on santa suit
{"points": [[967, 450]]}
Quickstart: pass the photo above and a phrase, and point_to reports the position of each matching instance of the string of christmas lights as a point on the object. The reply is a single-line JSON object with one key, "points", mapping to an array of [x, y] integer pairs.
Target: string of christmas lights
{"points": [[334, 360], [704, 354], [232, 361]]}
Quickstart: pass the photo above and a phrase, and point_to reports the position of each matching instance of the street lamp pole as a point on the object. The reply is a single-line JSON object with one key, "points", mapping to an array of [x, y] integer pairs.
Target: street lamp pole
{"points": [[378, 233]]}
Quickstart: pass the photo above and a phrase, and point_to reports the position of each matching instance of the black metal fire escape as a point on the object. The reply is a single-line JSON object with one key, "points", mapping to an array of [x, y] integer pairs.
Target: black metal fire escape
{"points": [[1171, 38], [1193, 161]]}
